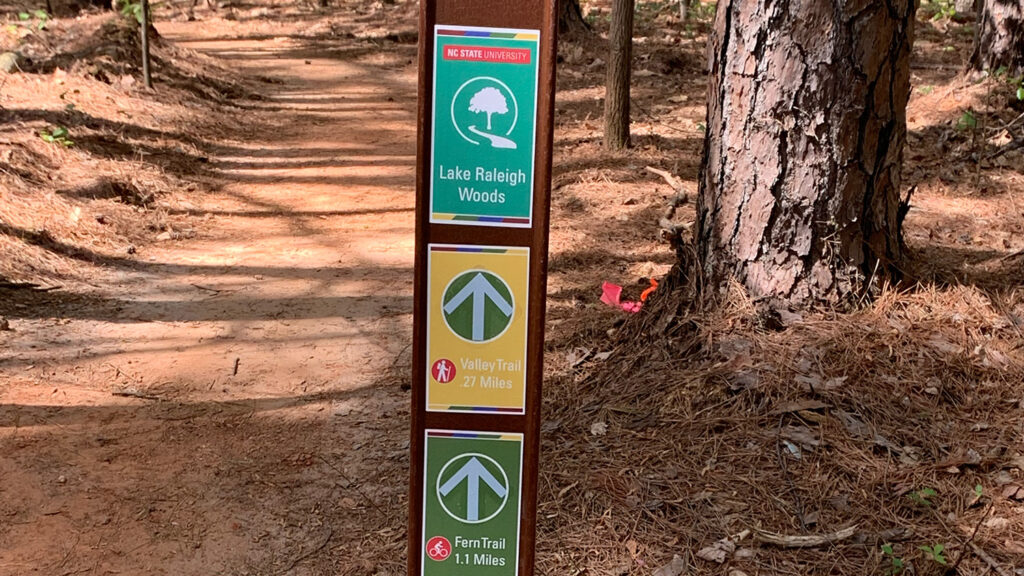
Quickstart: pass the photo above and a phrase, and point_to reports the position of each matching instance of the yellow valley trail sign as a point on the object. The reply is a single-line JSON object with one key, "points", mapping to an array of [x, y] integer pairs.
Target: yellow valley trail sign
{"points": [[476, 328]]}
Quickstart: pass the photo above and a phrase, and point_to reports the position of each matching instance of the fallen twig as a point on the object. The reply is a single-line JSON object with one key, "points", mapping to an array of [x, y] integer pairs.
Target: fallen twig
{"points": [[132, 393], [357, 487], [989, 560], [970, 539], [810, 541], [1012, 256], [295, 561], [1008, 147], [669, 178], [18, 285], [670, 229], [891, 535]]}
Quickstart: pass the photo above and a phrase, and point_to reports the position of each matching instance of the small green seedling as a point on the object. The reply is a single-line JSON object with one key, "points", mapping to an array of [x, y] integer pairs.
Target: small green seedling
{"points": [[895, 562], [978, 491], [57, 135], [923, 497], [967, 121], [934, 553]]}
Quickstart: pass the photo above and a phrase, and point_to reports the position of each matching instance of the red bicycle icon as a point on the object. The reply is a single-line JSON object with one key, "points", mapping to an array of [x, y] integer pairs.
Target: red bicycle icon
{"points": [[439, 548]]}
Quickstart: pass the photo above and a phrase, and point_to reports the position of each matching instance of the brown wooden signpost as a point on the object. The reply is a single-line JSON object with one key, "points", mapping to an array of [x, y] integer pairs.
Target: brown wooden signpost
{"points": [[483, 195]]}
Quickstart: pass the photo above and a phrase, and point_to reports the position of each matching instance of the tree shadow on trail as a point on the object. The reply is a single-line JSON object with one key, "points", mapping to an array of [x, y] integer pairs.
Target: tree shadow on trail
{"points": [[250, 485], [985, 268]]}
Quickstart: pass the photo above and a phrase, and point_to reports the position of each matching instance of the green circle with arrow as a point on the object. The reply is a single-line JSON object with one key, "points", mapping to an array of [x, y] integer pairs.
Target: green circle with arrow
{"points": [[478, 306], [472, 488]]}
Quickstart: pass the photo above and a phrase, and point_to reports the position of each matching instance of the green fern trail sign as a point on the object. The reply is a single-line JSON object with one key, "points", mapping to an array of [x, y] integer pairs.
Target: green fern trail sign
{"points": [[471, 503]]}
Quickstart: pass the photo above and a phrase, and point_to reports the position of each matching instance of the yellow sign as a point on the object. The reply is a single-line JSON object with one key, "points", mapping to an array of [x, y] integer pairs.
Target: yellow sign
{"points": [[476, 328]]}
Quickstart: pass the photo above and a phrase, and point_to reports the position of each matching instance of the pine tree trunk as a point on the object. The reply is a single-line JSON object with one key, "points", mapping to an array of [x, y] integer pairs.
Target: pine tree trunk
{"points": [[999, 37], [684, 11], [570, 18], [620, 60], [799, 188]]}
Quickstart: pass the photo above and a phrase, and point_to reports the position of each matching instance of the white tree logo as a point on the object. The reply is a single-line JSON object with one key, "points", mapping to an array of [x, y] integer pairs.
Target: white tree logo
{"points": [[489, 101], [490, 96]]}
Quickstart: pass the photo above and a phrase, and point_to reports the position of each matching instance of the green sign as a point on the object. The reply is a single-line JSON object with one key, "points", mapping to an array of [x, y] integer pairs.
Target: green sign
{"points": [[484, 126], [471, 503], [478, 306]]}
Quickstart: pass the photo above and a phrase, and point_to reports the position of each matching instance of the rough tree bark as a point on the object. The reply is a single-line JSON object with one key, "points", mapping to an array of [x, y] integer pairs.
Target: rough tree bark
{"points": [[999, 36], [799, 187], [570, 18], [620, 60]]}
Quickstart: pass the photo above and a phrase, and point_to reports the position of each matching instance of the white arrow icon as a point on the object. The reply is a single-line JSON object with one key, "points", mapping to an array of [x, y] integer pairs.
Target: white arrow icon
{"points": [[472, 473], [480, 289]]}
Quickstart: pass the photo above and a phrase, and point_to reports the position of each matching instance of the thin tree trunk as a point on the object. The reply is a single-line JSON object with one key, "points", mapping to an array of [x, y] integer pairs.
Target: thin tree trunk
{"points": [[620, 59], [799, 187], [684, 10], [147, 76], [999, 37], [570, 18]]}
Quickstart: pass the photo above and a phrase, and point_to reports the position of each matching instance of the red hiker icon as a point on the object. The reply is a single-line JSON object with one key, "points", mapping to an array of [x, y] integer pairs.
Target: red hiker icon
{"points": [[443, 371]]}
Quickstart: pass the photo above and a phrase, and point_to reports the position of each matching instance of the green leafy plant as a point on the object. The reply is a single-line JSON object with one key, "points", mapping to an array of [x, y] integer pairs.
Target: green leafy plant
{"points": [[967, 121], [895, 562], [132, 10], [923, 497], [37, 19], [1017, 83], [926, 90], [978, 491], [934, 553], [57, 135], [944, 10]]}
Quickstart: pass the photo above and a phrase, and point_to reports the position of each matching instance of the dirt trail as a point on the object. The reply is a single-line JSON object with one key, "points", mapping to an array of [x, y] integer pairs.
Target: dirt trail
{"points": [[231, 404]]}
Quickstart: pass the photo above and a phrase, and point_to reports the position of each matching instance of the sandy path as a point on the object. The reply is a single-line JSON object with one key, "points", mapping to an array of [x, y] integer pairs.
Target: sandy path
{"points": [[267, 430]]}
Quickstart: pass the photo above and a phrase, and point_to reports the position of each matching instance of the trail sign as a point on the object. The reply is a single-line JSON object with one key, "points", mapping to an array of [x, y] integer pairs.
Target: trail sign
{"points": [[477, 322], [483, 181], [471, 500], [484, 126]]}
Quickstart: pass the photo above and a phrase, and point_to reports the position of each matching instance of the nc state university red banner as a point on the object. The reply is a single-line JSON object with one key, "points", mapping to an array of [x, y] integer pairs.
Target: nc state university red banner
{"points": [[488, 54]]}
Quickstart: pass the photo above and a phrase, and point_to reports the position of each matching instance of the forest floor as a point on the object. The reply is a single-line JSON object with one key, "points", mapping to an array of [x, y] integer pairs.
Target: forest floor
{"points": [[210, 373]]}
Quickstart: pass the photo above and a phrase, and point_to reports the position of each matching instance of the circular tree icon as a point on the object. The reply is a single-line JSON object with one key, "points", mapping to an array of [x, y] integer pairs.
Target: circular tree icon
{"points": [[490, 96], [489, 101]]}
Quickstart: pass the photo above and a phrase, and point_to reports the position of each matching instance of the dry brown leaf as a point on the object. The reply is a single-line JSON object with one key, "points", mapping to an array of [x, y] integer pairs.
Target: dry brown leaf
{"points": [[717, 552], [674, 568]]}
